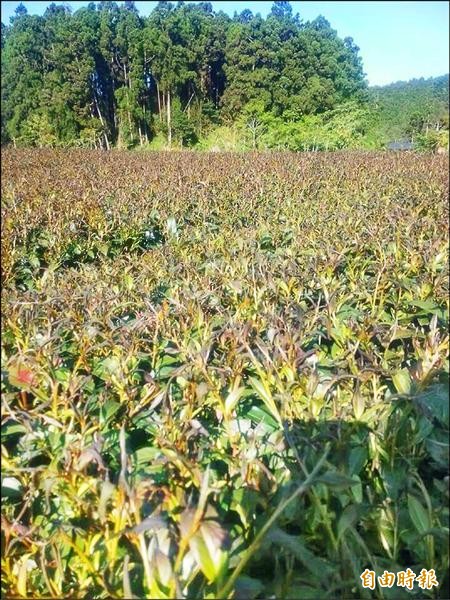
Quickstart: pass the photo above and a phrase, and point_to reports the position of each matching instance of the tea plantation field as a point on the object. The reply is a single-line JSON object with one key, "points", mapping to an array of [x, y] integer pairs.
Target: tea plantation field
{"points": [[225, 375]]}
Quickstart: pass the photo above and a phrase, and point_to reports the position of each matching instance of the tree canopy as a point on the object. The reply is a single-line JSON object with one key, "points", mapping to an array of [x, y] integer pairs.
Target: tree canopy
{"points": [[105, 76], [411, 108]]}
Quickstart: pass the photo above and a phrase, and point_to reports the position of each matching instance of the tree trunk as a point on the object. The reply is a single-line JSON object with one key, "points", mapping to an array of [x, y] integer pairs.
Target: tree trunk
{"points": [[145, 124], [128, 85], [129, 122], [97, 106], [188, 106], [169, 125], [159, 102]]}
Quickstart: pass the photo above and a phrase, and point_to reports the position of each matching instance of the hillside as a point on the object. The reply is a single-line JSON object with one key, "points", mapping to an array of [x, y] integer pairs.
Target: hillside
{"points": [[408, 108], [415, 110]]}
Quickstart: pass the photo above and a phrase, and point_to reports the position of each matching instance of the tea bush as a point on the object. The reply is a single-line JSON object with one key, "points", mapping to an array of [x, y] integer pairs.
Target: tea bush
{"points": [[223, 375]]}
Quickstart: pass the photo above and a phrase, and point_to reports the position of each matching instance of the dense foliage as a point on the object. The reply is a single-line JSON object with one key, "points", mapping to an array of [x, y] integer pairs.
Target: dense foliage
{"points": [[187, 76], [105, 75], [417, 109], [223, 375]]}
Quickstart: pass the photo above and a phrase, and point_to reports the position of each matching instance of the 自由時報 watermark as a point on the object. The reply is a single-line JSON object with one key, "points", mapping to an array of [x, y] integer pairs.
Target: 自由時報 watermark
{"points": [[406, 579]]}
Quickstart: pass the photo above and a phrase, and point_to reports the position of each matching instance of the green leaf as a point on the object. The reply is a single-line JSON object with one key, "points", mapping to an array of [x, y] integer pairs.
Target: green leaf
{"points": [[247, 588], [402, 381], [261, 416], [103, 247], [429, 307], [394, 479], [424, 429], [207, 547], [232, 399], [265, 394], [357, 489], [348, 518], [11, 487], [62, 374], [297, 546], [419, 515], [438, 447], [244, 502], [12, 428], [146, 456], [109, 409], [336, 480], [435, 401], [357, 459], [107, 367], [359, 404], [385, 531], [166, 365]]}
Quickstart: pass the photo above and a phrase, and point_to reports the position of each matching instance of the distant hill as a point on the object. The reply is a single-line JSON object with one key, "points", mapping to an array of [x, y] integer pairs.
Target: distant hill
{"points": [[407, 108]]}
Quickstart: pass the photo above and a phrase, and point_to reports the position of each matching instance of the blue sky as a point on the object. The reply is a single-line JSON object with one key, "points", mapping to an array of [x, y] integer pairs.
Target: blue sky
{"points": [[398, 40]]}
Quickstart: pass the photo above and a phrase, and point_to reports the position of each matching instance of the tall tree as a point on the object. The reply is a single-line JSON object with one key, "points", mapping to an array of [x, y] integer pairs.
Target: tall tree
{"points": [[22, 72], [104, 76]]}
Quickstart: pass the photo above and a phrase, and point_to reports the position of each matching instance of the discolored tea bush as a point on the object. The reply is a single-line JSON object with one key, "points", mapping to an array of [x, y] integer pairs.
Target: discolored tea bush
{"points": [[223, 374]]}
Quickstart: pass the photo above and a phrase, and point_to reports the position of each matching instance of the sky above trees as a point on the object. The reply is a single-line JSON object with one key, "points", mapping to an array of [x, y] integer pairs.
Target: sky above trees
{"points": [[398, 40]]}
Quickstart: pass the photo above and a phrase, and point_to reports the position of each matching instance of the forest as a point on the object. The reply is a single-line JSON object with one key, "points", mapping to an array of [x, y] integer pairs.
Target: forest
{"points": [[104, 76]]}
